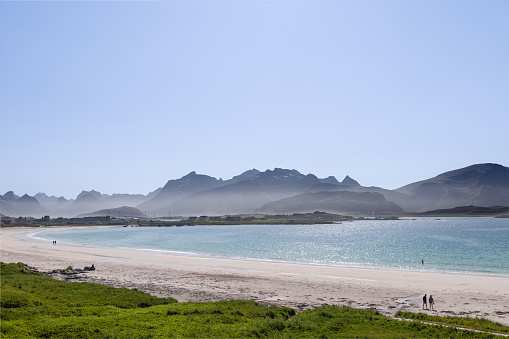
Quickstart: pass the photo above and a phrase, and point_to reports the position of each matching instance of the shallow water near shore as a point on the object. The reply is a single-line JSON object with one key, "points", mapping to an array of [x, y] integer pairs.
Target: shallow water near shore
{"points": [[463, 245]]}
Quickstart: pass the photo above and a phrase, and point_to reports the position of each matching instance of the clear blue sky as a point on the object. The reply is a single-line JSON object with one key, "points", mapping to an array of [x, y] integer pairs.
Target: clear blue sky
{"points": [[122, 96]]}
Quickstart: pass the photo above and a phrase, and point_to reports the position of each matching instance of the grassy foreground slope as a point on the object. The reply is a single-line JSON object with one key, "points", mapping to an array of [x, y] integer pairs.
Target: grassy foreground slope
{"points": [[35, 306], [467, 322]]}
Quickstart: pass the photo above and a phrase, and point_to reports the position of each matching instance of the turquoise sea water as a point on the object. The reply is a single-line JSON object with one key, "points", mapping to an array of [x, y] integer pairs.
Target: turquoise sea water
{"points": [[475, 245]]}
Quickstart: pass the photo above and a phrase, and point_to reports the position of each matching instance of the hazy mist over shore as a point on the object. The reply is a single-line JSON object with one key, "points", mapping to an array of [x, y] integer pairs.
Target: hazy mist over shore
{"points": [[278, 191]]}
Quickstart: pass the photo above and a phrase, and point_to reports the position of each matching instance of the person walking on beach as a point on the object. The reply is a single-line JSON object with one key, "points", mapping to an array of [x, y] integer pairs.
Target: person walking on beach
{"points": [[431, 302], [424, 302]]}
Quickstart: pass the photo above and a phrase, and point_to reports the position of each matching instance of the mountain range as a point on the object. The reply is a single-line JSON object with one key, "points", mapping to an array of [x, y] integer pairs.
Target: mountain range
{"points": [[277, 191]]}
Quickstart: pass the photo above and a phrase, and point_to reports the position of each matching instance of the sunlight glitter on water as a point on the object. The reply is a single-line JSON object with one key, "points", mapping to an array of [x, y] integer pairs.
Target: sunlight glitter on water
{"points": [[449, 244]]}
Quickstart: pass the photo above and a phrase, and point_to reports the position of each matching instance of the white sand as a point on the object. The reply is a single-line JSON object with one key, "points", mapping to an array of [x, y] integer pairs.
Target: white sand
{"points": [[298, 286]]}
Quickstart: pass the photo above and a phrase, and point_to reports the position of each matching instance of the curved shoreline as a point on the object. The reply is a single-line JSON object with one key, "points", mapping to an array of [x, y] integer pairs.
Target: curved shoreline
{"points": [[301, 286], [26, 236], [429, 268]]}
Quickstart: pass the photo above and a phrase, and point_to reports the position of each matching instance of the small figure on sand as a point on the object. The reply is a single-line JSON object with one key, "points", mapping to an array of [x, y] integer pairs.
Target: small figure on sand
{"points": [[89, 268], [431, 302], [424, 302]]}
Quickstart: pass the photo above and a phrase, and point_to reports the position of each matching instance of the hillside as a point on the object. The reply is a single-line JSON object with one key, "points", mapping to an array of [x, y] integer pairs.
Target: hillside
{"points": [[468, 211], [481, 185], [120, 212], [332, 202]]}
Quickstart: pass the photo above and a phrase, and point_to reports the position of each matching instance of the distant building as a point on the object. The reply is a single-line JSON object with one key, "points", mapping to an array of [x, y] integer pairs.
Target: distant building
{"points": [[90, 220], [232, 218], [6, 221]]}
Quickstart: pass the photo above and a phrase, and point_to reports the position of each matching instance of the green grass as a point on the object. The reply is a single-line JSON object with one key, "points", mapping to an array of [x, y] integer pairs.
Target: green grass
{"points": [[474, 323], [35, 306]]}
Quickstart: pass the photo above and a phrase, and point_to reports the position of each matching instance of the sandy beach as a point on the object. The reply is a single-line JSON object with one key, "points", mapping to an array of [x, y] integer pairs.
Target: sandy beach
{"points": [[301, 287]]}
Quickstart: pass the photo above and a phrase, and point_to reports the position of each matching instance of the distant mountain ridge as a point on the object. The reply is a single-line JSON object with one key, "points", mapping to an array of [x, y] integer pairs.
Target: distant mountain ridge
{"points": [[242, 196], [86, 202], [481, 185], [44, 200], [282, 191]]}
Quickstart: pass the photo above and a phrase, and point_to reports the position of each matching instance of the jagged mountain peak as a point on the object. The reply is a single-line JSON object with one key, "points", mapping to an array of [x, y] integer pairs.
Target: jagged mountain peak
{"points": [[286, 179], [26, 197], [280, 173], [10, 196], [330, 180], [62, 200], [349, 181], [189, 178], [189, 183], [178, 188], [94, 193], [88, 197], [45, 200], [246, 175], [190, 175]]}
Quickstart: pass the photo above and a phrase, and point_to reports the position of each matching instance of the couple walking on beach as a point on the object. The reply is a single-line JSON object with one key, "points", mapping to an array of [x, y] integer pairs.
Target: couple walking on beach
{"points": [[425, 302]]}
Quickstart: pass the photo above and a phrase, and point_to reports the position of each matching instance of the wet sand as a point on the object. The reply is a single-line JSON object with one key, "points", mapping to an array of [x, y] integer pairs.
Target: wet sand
{"points": [[189, 278]]}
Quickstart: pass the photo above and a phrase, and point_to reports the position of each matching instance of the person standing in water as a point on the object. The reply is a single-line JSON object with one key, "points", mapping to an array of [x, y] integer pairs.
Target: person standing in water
{"points": [[431, 302], [424, 302]]}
